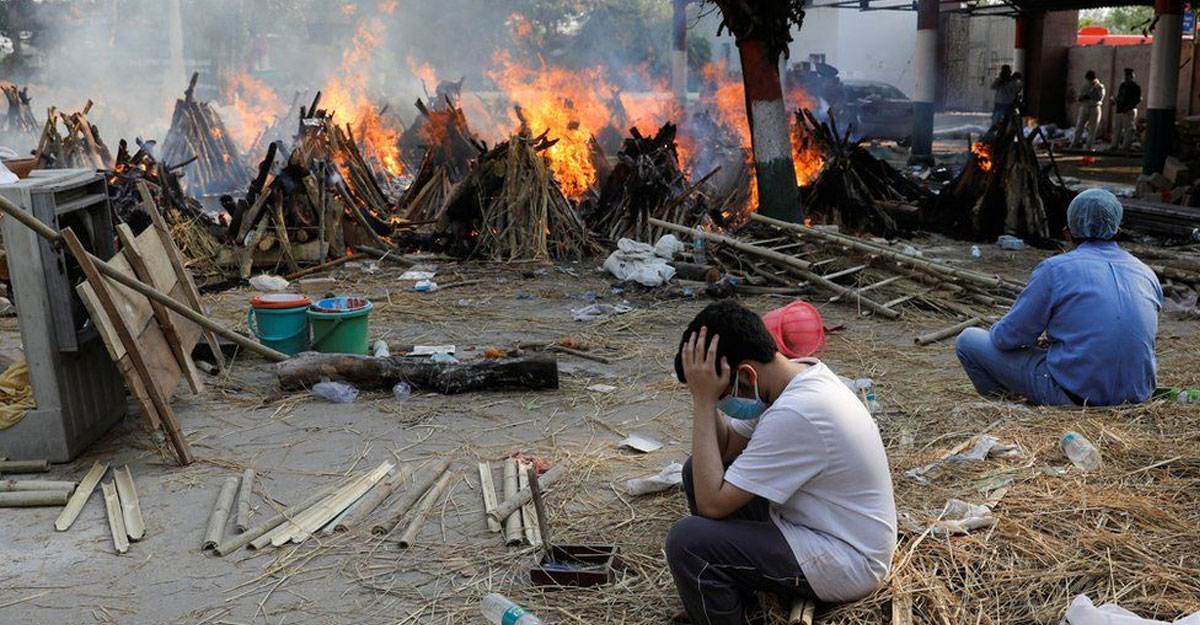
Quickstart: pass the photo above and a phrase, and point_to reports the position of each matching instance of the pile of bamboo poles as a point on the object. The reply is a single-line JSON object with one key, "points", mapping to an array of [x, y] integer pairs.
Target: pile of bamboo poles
{"points": [[19, 122], [198, 137]]}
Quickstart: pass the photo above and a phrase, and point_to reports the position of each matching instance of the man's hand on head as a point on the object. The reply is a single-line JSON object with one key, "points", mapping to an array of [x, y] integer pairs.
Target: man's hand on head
{"points": [[700, 368]]}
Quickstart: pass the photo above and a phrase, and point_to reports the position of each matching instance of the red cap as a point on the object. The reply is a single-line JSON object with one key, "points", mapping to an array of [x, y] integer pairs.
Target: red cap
{"points": [[797, 328]]}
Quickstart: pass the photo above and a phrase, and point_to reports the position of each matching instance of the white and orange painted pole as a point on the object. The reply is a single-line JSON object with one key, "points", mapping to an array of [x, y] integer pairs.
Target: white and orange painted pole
{"points": [[1164, 84], [770, 133], [1020, 39], [925, 78], [679, 54]]}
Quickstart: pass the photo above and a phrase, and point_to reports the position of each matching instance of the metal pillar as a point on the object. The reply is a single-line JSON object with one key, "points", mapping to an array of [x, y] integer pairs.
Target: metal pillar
{"points": [[1164, 84], [770, 133], [925, 80], [1020, 43], [679, 54]]}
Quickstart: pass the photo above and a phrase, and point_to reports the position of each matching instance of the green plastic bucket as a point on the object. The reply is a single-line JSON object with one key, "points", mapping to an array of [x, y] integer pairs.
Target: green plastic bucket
{"points": [[279, 321], [339, 325]]}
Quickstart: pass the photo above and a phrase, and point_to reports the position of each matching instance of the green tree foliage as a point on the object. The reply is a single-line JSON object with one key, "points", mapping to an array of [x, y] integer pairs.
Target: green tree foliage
{"points": [[1129, 20]]}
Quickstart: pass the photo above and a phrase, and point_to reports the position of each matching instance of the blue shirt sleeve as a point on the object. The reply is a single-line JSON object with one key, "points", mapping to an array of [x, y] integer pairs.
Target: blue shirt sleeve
{"points": [[1030, 315]]}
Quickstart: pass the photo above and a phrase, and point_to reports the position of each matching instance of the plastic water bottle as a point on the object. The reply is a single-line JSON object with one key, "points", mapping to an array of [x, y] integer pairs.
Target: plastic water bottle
{"points": [[1081, 451], [698, 246], [498, 610], [1188, 396], [975, 253], [873, 406], [401, 391]]}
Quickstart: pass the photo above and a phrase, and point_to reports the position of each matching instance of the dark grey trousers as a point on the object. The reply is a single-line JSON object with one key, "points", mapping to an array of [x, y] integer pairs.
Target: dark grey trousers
{"points": [[718, 565]]}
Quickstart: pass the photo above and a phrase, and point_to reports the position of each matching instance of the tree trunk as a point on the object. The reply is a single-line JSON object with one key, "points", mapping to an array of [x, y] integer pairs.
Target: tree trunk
{"points": [[528, 372], [770, 134]]}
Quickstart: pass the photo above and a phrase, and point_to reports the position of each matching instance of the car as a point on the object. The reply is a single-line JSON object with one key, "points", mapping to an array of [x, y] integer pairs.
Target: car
{"points": [[877, 110]]}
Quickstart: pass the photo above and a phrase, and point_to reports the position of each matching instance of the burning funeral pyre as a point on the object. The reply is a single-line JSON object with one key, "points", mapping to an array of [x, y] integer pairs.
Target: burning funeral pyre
{"points": [[198, 138]]}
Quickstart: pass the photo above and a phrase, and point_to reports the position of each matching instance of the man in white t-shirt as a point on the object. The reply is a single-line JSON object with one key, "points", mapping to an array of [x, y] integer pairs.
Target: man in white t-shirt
{"points": [[790, 488]]}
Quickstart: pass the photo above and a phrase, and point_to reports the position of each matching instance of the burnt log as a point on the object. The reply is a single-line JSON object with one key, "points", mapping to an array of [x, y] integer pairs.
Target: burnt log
{"points": [[535, 372]]}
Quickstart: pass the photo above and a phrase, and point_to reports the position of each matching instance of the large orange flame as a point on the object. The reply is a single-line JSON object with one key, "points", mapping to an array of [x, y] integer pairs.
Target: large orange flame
{"points": [[346, 97], [255, 108], [983, 155]]}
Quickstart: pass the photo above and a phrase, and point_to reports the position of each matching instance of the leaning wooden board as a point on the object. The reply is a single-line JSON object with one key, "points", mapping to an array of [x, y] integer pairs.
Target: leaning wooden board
{"points": [[138, 315]]}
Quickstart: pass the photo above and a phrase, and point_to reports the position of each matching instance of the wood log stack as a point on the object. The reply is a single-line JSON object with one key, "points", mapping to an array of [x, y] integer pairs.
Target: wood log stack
{"points": [[1002, 190], [447, 146], [78, 145], [19, 122], [197, 132]]}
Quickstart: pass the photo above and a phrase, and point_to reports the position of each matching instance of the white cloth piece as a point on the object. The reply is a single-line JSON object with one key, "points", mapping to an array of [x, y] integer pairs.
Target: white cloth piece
{"points": [[668, 246], [1083, 612], [641, 262], [670, 477], [817, 456]]}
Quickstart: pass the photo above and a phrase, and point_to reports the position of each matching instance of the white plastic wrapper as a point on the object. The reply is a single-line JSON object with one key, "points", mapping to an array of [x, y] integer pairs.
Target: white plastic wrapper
{"points": [[268, 282], [1084, 612], [336, 392], [670, 477], [641, 262]]}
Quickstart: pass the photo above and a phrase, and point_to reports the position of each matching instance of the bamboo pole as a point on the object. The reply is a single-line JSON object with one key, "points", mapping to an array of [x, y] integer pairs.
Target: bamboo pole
{"points": [[307, 523], [512, 522], [414, 526], [395, 512], [131, 509], [799, 266], [220, 514], [243, 501], [33, 498], [802, 612], [233, 543], [80, 497], [529, 517], [520, 498], [147, 291], [372, 500], [953, 330], [26, 485], [24, 466], [487, 484], [116, 522]]}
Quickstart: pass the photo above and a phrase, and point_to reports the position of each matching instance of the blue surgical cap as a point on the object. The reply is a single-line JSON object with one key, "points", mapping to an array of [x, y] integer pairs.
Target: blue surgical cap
{"points": [[1094, 214]]}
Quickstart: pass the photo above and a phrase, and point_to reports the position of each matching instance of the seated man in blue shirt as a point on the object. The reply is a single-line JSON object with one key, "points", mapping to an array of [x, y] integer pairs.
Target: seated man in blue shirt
{"points": [[1098, 307]]}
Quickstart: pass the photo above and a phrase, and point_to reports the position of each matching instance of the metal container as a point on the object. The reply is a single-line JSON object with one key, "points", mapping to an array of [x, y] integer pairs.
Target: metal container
{"points": [[577, 565], [79, 392]]}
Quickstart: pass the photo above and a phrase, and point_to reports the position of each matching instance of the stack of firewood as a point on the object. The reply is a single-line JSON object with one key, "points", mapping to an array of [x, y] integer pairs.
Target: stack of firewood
{"points": [[447, 146], [643, 184], [78, 145], [19, 122], [510, 207], [198, 138]]}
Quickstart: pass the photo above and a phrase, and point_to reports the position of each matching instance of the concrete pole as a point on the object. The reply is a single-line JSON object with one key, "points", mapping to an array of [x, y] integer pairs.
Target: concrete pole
{"points": [[925, 74], [176, 72], [1164, 84], [770, 133], [1020, 38], [679, 54]]}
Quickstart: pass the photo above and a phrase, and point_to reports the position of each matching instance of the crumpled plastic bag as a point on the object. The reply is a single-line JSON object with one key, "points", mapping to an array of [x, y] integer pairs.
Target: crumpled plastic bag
{"points": [[668, 246], [960, 517], [670, 477], [336, 392], [599, 312], [643, 263], [268, 282], [1083, 612]]}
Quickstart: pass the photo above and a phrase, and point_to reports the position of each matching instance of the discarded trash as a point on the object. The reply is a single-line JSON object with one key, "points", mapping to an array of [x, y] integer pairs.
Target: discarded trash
{"points": [[698, 251], [498, 610], [640, 262], [985, 446], [798, 329], [975, 253], [431, 350], [1083, 612], [401, 391], [1181, 395], [425, 286], [960, 517], [267, 282], [379, 349], [417, 276], [670, 477], [336, 392], [599, 312], [668, 246], [590, 296], [602, 388], [442, 357], [1081, 451], [912, 251], [1009, 242], [641, 442], [524, 295], [873, 405]]}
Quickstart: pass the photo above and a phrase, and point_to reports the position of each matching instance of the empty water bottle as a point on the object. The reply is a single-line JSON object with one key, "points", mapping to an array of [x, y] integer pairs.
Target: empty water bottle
{"points": [[498, 610], [873, 405], [975, 253], [698, 246], [1081, 451], [1188, 396], [401, 391]]}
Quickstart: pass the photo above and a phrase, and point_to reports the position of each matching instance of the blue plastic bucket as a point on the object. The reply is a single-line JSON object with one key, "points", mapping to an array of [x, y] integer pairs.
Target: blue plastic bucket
{"points": [[339, 325], [279, 321]]}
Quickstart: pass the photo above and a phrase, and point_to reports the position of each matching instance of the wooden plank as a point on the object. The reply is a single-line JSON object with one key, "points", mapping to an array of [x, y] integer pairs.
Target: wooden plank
{"points": [[170, 424], [116, 522], [161, 314], [74, 505], [131, 509], [191, 294], [487, 484], [901, 603]]}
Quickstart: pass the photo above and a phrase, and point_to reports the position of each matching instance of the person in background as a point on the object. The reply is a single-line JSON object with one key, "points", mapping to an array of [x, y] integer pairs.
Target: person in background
{"points": [[788, 482], [1129, 95], [1089, 111], [1007, 87], [1098, 308]]}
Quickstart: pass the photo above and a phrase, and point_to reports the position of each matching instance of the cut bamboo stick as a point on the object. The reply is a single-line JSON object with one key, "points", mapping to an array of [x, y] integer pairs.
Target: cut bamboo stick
{"points": [[391, 518], [19, 485], [802, 612], [529, 518], [116, 522], [512, 522], [24, 466], [363, 508], [513, 503], [303, 526], [131, 509], [220, 514], [243, 501], [953, 330], [487, 484], [418, 519], [248, 537], [80, 497], [33, 498]]}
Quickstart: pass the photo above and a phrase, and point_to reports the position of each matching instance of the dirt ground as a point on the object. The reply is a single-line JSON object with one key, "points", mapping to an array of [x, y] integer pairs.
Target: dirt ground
{"points": [[298, 443]]}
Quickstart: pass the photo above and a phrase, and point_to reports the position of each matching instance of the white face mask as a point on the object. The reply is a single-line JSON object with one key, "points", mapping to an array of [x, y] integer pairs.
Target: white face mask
{"points": [[742, 408]]}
